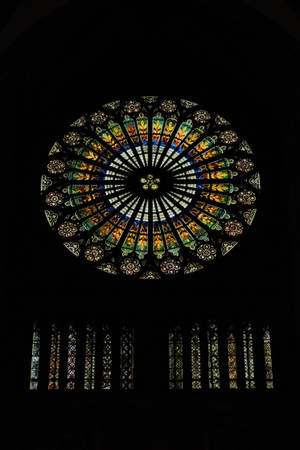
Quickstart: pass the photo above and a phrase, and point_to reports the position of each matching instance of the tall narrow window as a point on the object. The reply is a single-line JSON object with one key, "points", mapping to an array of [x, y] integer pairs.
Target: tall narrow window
{"points": [[176, 359], [248, 356], [54, 364], [71, 361], [268, 359], [196, 357], [213, 356], [90, 355], [232, 364], [106, 358], [126, 358], [35, 358]]}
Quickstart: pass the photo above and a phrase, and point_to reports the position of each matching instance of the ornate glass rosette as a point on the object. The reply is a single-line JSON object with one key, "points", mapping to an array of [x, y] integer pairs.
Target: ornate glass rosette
{"points": [[150, 187]]}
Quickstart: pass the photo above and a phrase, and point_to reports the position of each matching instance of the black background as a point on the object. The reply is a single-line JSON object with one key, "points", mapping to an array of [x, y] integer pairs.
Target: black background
{"points": [[230, 60]]}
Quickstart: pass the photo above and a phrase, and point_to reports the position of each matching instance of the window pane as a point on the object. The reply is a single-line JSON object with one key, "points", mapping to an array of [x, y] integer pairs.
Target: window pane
{"points": [[126, 358], [213, 356], [248, 357], [196, 357], [176, 359], [268, 360], [90, 354], [107, 358], [54, 364], [71, 361], [35, 358], [232, 365]]}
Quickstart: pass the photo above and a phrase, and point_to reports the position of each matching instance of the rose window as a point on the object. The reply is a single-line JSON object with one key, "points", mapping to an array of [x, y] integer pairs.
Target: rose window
{"points": [[150, 188]]}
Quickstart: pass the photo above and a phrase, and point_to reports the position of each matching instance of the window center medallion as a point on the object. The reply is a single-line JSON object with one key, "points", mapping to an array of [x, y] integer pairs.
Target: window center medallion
{"points": [[150, 183]]}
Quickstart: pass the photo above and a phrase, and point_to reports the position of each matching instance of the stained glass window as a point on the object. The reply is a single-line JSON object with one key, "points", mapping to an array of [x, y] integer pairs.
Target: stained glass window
{"points": [[196, 357], [268, 359], [90, 358], [54, 364], [232, 361], [106, 358], [35, 358], [150, 187], [176, 359], [127, 358], [213, 356], [248, 356], [71, 358]]}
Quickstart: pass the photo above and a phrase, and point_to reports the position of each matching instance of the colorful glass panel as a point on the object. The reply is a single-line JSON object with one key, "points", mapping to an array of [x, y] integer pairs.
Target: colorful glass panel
{"points": [[71, 358], [106, 358], [35, 358], [248, 356], [232, 361], [176, 359], [127, 358], [213, 356], [196, 357], [90, 358], [149, 179], [54, 363], [268, 359]]}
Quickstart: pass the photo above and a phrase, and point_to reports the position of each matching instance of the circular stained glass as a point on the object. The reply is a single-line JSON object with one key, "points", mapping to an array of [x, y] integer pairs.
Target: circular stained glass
{"points": [[150, 187]]}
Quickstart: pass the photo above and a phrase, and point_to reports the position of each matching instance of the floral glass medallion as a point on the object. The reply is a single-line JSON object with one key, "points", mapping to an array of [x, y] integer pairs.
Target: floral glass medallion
{"points": [[150, 188]]}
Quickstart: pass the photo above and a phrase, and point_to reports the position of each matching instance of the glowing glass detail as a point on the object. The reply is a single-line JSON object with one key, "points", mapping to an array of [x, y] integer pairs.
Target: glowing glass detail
{"points": [[268, 359], [213, 356], [176, 359], [127, 358], [35, 358], [248, 356], [106, 358], [90, 358], [232, 362], [150, 183], [54, 363], [150, 179], [196, 357], [71, 358]]}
